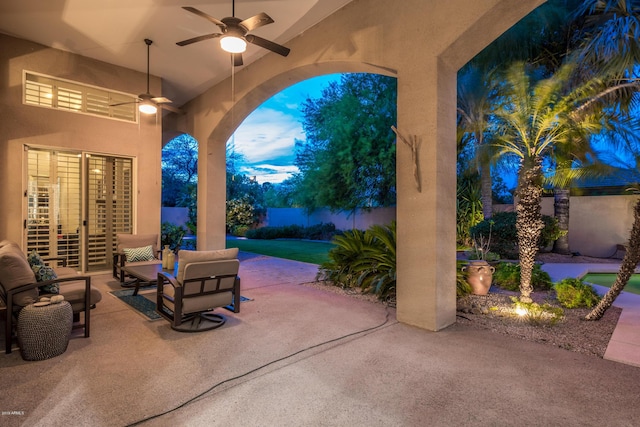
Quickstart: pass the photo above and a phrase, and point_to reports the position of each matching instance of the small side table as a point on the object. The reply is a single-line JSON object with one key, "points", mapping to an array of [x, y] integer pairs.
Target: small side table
{"points": [[44, 331]]}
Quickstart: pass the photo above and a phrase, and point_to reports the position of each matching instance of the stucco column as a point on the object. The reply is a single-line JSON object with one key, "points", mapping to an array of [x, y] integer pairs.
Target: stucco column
{"points": [[426, 219], [211, 194]]}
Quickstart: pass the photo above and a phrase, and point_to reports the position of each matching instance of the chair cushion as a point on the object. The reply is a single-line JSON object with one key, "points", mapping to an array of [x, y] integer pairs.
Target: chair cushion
{"points": [[185, 257], [144, 253], [65, 272], [197, 304], [136, 241], [43, 273], [14, 272], [74, 293]]}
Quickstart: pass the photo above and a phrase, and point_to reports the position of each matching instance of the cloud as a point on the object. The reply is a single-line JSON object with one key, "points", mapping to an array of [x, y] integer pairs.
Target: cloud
{"points": [[268, 134], [269, 173], [266, 138]]}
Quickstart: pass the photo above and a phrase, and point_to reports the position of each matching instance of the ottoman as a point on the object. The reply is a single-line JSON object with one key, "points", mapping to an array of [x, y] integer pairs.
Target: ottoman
{"points": [[44, 330]]}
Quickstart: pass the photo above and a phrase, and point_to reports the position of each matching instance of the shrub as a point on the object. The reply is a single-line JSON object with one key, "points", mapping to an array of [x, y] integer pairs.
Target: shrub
{"points": [[575, 293], [364, 259], [472, 254], [239, 212], [286, 232], [504, 238], [314, 232], [172, 235], [239, 230], [468, 207], [265, 233], [320, 231], [551, 231], [348, 251], [507, 276]]}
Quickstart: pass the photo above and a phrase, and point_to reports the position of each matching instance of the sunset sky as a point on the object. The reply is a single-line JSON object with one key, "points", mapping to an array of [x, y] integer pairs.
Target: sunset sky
{"points": [[266, 138]]}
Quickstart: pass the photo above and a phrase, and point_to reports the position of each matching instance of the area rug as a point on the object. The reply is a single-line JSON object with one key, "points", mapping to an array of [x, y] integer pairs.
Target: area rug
{"points": [[145, 302]]}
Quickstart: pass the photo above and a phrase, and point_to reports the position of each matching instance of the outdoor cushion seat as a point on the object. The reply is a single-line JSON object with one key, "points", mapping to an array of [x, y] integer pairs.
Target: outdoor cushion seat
{"points": [[205, 280], [19, 288], [132, 241]]}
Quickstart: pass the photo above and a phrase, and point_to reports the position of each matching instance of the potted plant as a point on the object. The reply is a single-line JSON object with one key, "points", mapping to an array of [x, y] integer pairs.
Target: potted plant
{"points": [[171, 236], [479, 271]]}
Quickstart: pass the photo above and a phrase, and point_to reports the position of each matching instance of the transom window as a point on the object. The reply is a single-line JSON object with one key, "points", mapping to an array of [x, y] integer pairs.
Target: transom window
{"points": [[51, 92]]}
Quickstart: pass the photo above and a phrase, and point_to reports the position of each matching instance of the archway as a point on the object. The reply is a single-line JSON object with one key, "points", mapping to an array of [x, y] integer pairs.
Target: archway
{"points": [[422, 44]]}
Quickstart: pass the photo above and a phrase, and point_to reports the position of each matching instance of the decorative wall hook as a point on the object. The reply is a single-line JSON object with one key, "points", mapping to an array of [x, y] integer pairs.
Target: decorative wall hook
{"points": [[414, 144]]}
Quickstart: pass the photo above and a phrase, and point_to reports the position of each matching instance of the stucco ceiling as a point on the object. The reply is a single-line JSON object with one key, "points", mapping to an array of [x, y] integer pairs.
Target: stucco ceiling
{"points": [[114, 31]]}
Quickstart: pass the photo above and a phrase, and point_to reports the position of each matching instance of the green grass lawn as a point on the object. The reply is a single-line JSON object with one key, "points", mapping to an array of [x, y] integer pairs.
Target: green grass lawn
{"points": [[297, 250], [607, 279]]}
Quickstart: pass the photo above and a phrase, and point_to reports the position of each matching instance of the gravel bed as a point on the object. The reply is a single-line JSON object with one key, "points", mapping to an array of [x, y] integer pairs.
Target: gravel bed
{"points": [[493, 313]]}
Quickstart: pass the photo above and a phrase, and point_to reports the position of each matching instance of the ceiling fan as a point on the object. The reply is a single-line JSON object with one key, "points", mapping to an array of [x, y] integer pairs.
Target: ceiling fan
{"points": [[147, 103], [235, 33]]}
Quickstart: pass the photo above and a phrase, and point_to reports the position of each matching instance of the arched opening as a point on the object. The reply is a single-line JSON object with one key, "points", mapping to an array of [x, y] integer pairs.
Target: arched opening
{"points": [[370, 37], [179, 189]]}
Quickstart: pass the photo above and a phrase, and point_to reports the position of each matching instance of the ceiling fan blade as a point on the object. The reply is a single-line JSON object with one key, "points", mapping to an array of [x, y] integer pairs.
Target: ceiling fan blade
{"points": [[171, 108], [273, 47], [161, 100], [237, 59], [205, 16], [123, 103], [198, 39], [256, 21]]}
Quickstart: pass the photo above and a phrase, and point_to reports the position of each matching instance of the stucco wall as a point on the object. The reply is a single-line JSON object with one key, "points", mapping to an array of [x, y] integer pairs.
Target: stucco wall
{"points": [[361, 220], [22, 125], [597, 224]]}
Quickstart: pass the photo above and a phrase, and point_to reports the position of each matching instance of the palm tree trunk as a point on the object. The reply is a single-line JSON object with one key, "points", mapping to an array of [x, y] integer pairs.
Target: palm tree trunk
{"points": [[486, 193], [627, 268], [561, 212], [529, 223]]}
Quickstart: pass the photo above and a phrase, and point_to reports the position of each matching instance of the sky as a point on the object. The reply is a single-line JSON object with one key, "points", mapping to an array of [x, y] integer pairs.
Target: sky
{"points": [[266, 138]]}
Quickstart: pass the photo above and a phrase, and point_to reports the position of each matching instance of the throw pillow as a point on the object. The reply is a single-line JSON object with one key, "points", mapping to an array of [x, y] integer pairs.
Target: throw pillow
{"points": [[43, 273], [144, 253]]}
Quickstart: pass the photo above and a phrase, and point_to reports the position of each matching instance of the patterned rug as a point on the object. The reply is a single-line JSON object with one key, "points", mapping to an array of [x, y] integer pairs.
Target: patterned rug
{"points": [[145, 302]]}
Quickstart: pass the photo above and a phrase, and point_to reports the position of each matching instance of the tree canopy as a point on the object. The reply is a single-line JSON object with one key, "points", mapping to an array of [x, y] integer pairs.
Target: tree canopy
{"points": [[179, 170], [348, 158]]}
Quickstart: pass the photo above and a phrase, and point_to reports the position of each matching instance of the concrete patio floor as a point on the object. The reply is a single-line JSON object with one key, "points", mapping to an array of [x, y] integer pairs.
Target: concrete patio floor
{"points": [[301, 356]]}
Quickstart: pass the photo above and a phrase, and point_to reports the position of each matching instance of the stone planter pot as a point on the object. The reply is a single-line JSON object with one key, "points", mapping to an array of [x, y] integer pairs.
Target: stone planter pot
{"points": [[479, 276]]}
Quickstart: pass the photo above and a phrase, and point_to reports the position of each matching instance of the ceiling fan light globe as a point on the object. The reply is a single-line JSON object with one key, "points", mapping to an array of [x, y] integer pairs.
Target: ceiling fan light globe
{"points": [[147, 108], [233, 44]]}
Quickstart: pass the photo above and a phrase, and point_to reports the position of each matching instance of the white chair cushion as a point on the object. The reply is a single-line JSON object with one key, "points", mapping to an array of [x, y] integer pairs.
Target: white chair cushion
{"points": [[185, 257]]}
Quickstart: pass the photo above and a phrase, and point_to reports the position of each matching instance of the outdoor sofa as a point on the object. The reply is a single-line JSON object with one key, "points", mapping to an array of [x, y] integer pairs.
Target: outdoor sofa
{"points": [[19, 288]]}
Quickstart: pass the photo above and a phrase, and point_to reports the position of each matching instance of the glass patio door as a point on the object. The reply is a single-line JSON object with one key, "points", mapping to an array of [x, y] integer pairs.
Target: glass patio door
{"points": [[54, 210], [75, 211], [109, 207]]}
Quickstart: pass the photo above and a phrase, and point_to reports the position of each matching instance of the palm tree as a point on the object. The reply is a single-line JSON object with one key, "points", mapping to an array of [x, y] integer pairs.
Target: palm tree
{"points": [[535, 117], [475, 104], [612, 29], [569, 166], [609, 42]]}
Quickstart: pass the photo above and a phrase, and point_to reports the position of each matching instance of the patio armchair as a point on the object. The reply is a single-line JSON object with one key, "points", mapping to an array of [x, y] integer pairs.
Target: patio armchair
{"points": [[205, 280], [135, 249]]}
